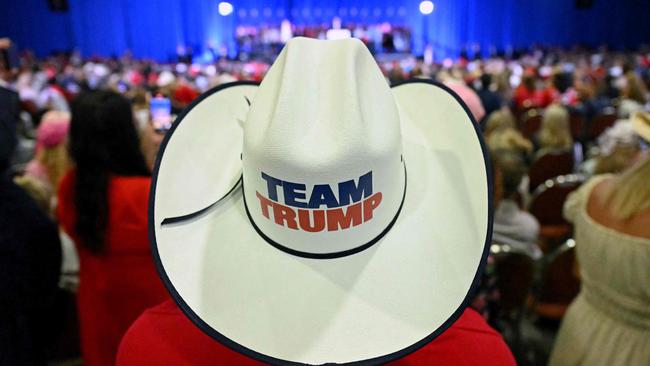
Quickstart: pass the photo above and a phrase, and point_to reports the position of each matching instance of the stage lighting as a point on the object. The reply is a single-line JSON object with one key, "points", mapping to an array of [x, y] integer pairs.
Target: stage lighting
{"points": [[426, 7], [225, 8]]}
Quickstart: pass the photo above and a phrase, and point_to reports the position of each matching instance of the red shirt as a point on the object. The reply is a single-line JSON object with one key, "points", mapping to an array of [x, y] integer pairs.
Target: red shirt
{"points": [[164, 336], [115, 287]]}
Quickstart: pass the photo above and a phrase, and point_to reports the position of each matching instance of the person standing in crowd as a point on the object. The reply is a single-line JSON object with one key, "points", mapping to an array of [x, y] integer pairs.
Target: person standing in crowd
{"points": [[103, 207], [51, 160], [608, 323], [554, 133], [30, 257]]}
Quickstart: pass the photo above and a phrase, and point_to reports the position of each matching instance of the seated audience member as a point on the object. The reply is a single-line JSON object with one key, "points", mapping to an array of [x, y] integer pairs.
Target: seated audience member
{"points": [[618, 147], [164, 336], [52, 97], [502, 135], [561, 89], [468, 96], [512, 225], [29, 264], [526, 95], [554, 133], [51, 160], [490, 99], [503, 87], [499, 119], [633, 95], [183, 96], [140, 106], [486, 301], [608, 323], [510, 139], [103, 206]]}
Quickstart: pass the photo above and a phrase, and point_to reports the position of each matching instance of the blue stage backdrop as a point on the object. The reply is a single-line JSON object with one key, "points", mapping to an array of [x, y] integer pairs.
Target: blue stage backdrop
{"points": [[156, 28]]}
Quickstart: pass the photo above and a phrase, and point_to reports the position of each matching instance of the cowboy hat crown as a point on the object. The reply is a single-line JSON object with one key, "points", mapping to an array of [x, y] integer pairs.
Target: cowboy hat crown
{"points": [[323, 170]]}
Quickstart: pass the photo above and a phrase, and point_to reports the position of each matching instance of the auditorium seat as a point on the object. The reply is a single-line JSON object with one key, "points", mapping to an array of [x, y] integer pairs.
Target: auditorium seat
{"points": [[546, 205], [600, 124], [515, 271], [531, 121], [559, 283], [550, 165], [576, 124]]}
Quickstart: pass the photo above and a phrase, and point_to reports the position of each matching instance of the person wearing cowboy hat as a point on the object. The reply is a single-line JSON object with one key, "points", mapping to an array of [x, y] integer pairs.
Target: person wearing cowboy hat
{"points": [[320, 217]]}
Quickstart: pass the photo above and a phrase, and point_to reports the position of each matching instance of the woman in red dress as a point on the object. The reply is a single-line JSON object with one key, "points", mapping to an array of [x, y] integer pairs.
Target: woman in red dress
{"points": [[103, 207]]}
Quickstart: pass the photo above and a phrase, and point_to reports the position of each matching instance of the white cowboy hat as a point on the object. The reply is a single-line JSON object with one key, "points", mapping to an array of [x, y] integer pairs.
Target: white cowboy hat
{"points": [[283, 222]]}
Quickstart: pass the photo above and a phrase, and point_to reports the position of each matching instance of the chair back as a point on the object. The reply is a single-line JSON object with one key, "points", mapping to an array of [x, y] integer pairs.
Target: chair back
{"points": [[531, 121], [600, 124], [576, 124], [559, 284], [548, 165], [515, 271], [548, 199]]}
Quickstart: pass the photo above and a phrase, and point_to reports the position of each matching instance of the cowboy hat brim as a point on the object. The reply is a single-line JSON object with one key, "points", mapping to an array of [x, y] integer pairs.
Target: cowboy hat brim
{"points": [[371, 307]]}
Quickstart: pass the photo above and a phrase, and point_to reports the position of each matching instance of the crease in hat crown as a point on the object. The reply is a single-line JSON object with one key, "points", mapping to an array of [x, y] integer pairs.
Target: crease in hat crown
{"points": [[323, 115]]}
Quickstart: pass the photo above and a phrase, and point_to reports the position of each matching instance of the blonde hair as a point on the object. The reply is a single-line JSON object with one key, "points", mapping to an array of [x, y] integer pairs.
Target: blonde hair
{"points": [[55, 160], [634, 88], [500, 119], [555, 132], [509, 139], [631, 193], [618, 160]]}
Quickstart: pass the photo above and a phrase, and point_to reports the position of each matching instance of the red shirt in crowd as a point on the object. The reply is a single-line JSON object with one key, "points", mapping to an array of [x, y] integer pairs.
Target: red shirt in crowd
{"points": [[115, 287], [164, 336], [526, 98]]}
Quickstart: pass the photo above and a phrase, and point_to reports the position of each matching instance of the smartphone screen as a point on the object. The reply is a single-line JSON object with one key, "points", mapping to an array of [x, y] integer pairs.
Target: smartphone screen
{"points": [[161, 117]]}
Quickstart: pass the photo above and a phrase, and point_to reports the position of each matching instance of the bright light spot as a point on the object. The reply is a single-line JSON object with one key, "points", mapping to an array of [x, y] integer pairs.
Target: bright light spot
{"points": [[225, 8], [426, 7]]}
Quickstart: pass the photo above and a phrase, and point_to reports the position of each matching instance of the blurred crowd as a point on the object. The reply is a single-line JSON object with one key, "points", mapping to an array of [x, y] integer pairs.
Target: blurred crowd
{"points": [[552, 118]]}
